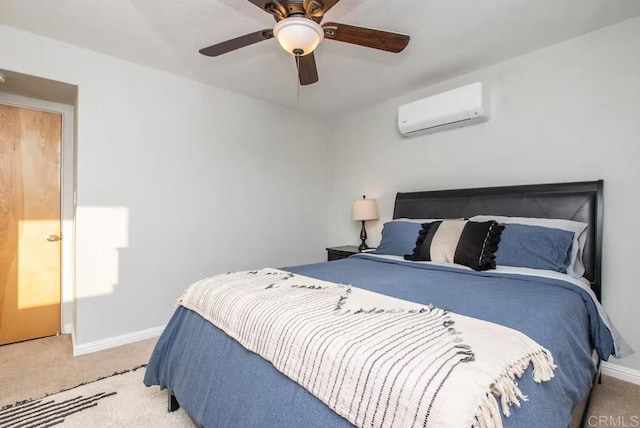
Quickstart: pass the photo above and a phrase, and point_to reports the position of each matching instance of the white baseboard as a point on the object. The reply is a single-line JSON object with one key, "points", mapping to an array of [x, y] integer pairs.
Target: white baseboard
{"points": [[67, 329], [73, 339], [620, 372], [112, 342]]}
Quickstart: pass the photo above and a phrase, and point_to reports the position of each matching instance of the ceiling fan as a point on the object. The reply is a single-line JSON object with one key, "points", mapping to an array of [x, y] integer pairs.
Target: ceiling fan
{"points": [[299, 32]]}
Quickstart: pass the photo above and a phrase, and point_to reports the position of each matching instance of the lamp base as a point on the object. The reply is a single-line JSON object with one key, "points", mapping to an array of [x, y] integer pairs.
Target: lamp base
{"points": [[363, 237], [363, 247]]}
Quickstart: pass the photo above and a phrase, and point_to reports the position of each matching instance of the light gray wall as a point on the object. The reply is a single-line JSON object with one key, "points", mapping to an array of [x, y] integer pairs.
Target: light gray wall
{"points": [[176, 180], [565, 113]]}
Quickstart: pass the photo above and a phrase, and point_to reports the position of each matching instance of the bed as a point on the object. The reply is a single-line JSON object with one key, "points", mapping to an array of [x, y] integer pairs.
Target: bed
{"points": [[220, 383]]}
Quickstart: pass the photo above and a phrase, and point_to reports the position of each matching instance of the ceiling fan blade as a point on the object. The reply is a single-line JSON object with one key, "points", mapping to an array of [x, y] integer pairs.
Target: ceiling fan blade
{"points": [[313, 9], [307, 71], [272, 7], [328, 4], [237, 43], [368, 37]]}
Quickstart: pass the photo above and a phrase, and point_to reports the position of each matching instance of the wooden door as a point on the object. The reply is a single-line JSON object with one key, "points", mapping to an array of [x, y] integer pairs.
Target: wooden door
{"points": [[30, 143]]}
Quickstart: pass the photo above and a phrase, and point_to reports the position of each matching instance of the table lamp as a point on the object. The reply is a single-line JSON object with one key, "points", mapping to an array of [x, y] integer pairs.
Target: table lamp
{"points": [[363, 210]]}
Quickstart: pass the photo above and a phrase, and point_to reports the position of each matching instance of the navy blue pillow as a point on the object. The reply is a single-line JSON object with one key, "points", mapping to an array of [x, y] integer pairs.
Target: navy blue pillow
{"points": [[398, 238], [534, 247]]}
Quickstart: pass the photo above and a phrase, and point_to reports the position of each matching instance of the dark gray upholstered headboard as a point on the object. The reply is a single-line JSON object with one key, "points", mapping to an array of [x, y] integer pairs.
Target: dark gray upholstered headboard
{"points": [[573, 201]]}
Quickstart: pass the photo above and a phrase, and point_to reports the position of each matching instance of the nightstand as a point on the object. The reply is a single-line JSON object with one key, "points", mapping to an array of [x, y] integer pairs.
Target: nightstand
{"points": [[338, 253]]}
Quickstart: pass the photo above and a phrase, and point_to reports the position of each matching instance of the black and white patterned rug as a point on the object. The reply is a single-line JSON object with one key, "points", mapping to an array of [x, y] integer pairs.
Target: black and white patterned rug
{"points": [[119, 400]]}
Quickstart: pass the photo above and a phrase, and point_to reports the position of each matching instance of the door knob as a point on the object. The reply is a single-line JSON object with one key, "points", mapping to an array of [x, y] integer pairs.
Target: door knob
{"points": [[54, 238]]}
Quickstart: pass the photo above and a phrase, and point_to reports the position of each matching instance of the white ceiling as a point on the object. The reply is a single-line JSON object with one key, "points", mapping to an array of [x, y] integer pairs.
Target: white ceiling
{"points": [[448, 38]]}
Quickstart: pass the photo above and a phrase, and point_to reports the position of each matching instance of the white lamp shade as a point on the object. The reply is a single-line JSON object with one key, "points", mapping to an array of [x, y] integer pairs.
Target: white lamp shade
{"points": [[365, 209], [298, 33]]}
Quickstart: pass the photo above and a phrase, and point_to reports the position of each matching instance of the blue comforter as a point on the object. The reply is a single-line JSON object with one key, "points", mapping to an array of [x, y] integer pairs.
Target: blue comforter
{"points": [[221, 384]]}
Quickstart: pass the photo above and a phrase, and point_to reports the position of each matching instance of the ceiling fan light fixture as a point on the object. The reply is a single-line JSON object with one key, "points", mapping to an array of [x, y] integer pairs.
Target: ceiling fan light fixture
{"points": [[298, 36]]}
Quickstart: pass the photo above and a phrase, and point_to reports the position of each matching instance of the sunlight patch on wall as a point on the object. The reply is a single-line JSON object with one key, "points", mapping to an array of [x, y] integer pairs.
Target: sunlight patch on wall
{"points": [[100, 233]]}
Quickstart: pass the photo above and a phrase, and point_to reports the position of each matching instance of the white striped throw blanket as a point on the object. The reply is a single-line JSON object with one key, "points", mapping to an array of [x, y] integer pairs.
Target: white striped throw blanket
{"points": [[375, 360]]}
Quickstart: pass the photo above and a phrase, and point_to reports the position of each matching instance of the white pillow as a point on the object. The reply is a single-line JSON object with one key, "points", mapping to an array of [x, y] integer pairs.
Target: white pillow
{"points": [[576, 267]]}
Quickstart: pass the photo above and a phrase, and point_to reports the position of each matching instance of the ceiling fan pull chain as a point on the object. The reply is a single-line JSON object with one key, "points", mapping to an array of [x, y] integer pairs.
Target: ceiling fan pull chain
{"points": [[298, 83]]}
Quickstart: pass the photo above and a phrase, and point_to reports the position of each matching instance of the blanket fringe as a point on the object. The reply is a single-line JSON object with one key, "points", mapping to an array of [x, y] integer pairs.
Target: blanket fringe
{"points": [[506, 388]]}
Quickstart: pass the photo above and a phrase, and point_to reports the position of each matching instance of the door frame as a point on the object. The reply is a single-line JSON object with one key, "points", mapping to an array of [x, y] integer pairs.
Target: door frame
{"points": [[67, 200]]}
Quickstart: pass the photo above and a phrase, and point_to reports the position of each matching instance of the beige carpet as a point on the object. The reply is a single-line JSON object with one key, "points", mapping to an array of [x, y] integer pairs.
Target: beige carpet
{"points": [[615, 402], [35, 368]]}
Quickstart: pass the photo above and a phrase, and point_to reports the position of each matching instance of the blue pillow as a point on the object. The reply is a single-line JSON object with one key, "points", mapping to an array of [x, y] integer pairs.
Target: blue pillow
{"points": [[535, 247], [398, 238]]}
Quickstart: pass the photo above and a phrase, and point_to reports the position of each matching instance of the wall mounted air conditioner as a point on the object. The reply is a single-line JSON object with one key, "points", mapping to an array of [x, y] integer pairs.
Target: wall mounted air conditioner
{"points": [[452, 109]]}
